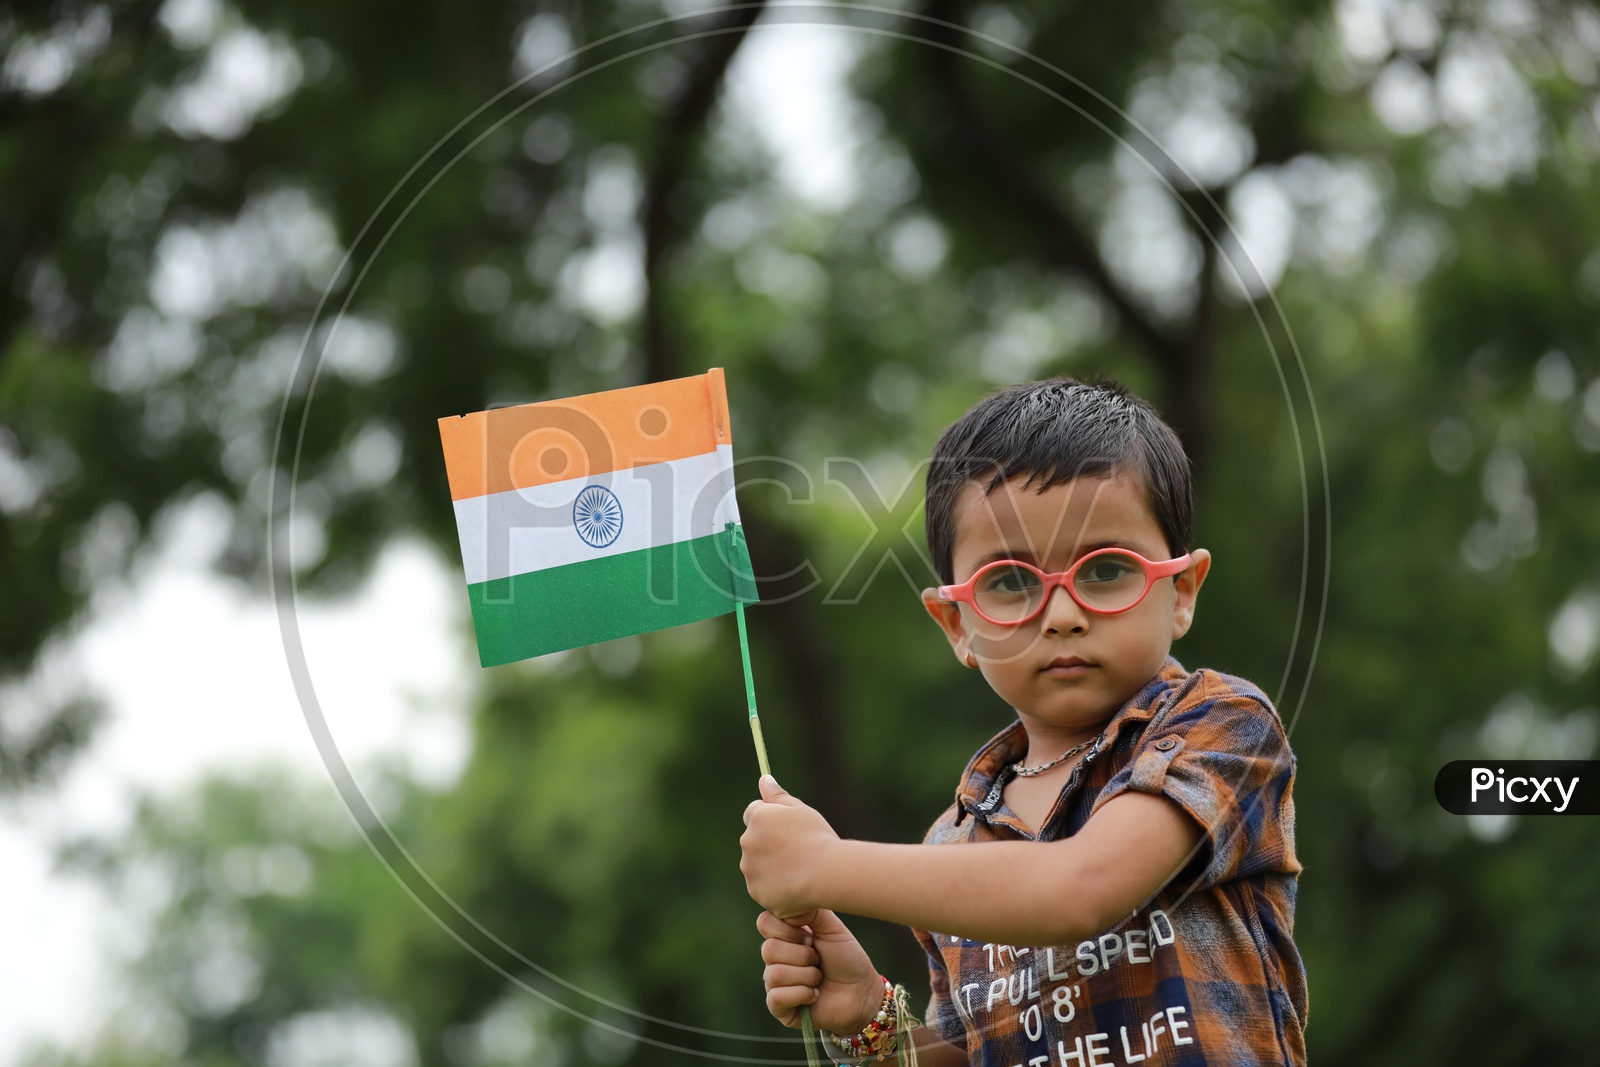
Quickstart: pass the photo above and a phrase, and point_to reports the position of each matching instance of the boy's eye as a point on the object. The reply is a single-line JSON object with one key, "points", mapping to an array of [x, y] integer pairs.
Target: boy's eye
{"points": [[1109, 569], [1008, 580]]}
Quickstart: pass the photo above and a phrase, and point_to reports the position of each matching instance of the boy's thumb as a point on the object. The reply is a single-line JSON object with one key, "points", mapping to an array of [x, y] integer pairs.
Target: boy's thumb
{"points": [[770, 789], [825, 923]]}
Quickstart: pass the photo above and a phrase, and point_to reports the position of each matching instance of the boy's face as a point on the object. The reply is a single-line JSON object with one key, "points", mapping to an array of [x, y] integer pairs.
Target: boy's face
{"points": [[1051, 530]]}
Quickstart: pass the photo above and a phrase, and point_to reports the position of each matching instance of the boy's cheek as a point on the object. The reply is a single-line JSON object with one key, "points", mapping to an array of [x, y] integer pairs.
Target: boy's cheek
{"points": [[1004, 648]]}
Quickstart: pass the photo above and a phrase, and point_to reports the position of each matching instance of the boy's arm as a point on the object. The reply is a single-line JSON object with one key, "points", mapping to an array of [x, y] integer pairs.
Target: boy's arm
{"points": [[935, 1051], [1010, 892]]}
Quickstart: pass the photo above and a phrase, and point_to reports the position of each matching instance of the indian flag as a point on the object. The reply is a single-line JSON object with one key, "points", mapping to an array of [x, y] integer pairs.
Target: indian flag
{"points": [[598, 516]]}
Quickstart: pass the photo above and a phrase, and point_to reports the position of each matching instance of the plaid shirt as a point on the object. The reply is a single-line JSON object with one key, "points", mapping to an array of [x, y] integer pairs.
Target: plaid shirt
{"points": [[1208, 972]]}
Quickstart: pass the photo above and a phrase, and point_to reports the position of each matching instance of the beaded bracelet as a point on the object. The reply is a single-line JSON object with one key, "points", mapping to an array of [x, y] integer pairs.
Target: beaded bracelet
{"points": [[869, 1042], [880, 1038]]}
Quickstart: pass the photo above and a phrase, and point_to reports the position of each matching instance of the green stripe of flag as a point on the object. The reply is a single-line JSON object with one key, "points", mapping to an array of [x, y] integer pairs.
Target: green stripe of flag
{"points": [[611, 596]]}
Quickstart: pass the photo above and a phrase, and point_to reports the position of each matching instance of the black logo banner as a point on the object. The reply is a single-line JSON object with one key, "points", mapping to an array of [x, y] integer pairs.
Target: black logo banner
{"points": [[1519, 787]]}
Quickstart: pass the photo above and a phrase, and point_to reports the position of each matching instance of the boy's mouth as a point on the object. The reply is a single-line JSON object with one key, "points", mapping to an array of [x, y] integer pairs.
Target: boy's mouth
{"points": [[1067, 667]]}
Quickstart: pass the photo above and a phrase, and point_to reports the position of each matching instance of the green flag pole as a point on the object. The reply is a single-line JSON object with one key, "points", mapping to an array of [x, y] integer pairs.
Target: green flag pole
{"points": [[807, 1031], [750, 691]]}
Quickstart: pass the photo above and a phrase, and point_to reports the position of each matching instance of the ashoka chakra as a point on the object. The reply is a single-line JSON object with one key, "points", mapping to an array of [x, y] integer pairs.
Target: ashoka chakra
{"points": [[597, 516]]}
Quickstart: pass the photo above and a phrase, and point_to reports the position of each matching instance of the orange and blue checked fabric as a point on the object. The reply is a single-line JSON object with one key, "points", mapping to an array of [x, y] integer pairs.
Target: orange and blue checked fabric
{"points": [[1207, 972]]}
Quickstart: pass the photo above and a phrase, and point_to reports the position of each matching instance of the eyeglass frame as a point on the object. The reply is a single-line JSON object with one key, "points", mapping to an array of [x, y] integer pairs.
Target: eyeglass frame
{"points": [[1154, 571]]}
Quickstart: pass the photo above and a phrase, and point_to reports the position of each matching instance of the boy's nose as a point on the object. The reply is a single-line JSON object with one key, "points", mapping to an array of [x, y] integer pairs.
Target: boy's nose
{"points": [[1062, 614]]}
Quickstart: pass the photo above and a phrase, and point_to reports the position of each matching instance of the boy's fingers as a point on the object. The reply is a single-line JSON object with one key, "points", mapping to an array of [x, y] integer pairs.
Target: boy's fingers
{"points": [[775, 951], [783, 1001], [769, 925], [791, 996], [781, 976]]}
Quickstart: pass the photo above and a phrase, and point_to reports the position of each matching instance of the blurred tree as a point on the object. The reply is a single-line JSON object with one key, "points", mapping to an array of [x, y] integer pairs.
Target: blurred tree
{"points": [[1411, 183]]}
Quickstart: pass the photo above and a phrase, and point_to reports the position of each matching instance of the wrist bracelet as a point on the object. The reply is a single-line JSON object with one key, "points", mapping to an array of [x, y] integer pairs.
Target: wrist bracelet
{"points": [[881, 1037], [860, 1047]]}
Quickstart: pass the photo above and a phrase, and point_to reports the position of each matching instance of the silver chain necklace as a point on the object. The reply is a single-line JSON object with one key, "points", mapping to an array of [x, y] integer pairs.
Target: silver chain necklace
{"points": [[1029, 772]]}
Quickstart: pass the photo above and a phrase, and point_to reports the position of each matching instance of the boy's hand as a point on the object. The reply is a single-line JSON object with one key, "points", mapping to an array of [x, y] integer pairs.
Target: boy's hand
{"points": [[813, 959], [784, 843]]}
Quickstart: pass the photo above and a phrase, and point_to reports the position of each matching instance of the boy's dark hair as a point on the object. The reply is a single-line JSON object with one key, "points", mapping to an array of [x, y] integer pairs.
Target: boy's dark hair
{"points": [[1053, 431]]}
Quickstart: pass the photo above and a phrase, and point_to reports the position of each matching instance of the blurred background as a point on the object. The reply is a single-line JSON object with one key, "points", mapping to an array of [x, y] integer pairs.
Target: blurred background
{"points": [[1352, 250]]}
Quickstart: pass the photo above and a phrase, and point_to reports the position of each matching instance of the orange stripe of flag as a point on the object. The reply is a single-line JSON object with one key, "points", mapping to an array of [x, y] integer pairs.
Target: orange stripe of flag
{"points": [[582, 436]]}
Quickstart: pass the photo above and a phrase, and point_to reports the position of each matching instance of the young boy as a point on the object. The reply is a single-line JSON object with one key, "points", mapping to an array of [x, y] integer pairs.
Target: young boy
{"points": [[1127, 891]]}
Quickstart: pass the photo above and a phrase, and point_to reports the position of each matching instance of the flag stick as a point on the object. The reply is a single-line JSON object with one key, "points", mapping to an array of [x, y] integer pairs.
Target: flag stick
{"points": [[750, 691], [807, 1031]]}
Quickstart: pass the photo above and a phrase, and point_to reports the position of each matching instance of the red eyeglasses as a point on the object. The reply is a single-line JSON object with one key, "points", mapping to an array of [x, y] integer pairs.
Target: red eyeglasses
{"points": [[1108, 581]]}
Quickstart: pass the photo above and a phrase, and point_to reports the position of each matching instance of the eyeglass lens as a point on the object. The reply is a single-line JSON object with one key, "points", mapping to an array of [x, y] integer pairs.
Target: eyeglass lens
{"points": [[1007, 592]]}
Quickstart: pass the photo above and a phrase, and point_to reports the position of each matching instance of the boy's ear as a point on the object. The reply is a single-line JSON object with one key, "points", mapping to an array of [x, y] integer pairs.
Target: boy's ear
{"points": [[1188, 586], [947, 613]]}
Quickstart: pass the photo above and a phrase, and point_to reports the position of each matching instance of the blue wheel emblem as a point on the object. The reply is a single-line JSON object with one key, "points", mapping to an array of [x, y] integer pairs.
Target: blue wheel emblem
{"points": [[597, 516]]}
